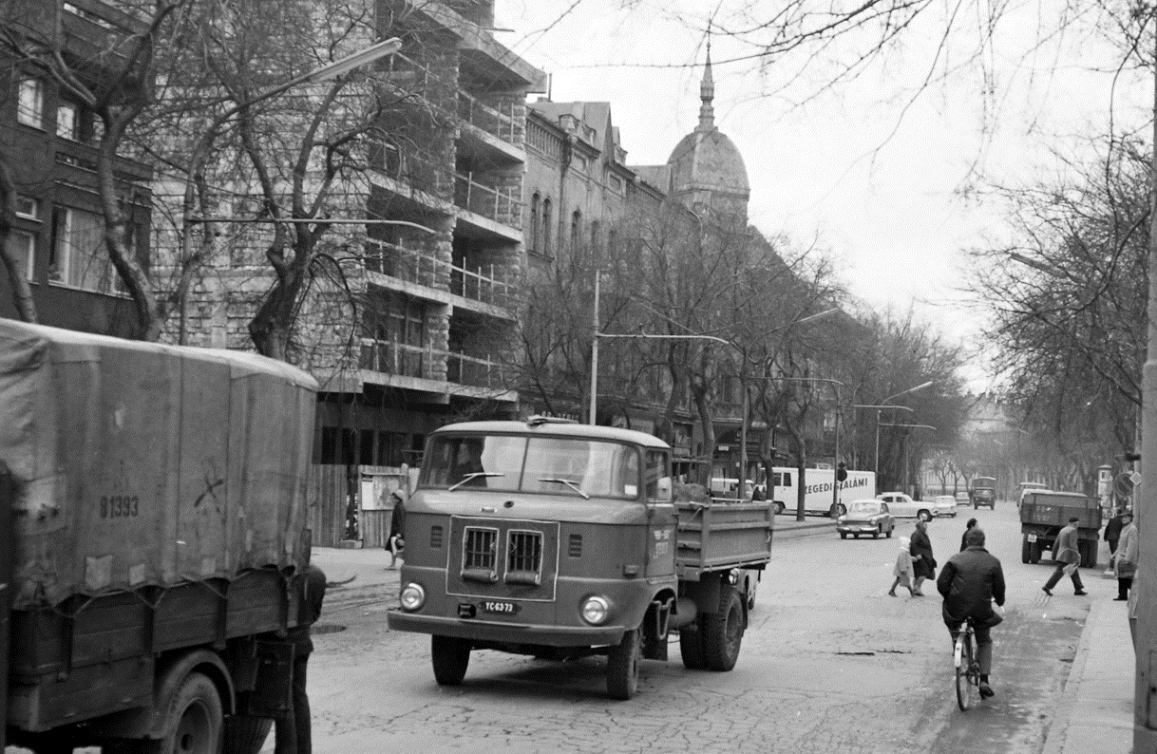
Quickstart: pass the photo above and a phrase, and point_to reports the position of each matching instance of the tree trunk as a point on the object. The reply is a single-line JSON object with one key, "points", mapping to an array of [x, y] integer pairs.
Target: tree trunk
{"points": [[21, 290]]}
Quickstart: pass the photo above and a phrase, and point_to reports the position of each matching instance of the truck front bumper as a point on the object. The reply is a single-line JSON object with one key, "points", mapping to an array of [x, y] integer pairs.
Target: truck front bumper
{"points": [[506, 633]]}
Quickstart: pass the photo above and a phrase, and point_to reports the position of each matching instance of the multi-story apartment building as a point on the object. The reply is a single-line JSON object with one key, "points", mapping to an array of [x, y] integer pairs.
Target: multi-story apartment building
{"points": [[49, 143]]}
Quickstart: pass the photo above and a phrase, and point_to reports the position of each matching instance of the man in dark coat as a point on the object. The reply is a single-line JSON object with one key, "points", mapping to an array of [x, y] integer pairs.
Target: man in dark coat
{"points": [[964, 537], [1113, 534], [923, 564], [969, 583], [396, 542], [293, 730], [1065, 552]]}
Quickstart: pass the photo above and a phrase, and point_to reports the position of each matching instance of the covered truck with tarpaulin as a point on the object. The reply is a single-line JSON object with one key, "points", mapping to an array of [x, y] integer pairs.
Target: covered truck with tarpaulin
{"points": [[152, 524]]}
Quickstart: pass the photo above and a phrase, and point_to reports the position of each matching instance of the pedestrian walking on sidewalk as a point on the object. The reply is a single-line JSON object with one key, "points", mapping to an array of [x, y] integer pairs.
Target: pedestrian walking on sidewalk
{"points": [[964, 537], [1068, 559], [1113, 534], [923, 564], [1126, 556], [293, 730], [396, 542], [903, 570]]}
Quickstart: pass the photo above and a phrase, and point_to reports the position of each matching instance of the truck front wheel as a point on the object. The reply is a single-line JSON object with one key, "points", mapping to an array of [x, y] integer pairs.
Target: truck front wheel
{"points": [[623, 666], [194, 720], [723, 631], [246, 735], [451, 657]]}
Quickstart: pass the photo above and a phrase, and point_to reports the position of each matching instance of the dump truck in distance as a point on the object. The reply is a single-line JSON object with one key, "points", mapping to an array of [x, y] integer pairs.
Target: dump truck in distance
{"points": [[562, 540], [1044, 513], [152, 529]]}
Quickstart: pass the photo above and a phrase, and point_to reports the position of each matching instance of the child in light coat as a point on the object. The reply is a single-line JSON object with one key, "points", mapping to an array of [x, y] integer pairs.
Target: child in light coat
{"points": [[903, 570]]}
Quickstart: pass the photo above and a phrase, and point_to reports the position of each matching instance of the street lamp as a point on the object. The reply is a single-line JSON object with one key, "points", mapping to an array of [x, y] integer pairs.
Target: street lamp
{"points": [[884, 404]]}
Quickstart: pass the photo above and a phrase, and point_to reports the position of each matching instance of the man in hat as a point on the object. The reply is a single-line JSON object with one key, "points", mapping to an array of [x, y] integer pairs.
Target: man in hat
{"points": [[1067, 556], [1126, 555]]}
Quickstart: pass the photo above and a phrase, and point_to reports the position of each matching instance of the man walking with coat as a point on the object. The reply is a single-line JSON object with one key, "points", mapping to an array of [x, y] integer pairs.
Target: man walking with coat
{"points": [[1068, 558]]}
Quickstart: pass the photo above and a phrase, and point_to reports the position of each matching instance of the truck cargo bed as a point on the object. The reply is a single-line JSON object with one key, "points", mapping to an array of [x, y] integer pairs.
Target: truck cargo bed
{"points": [[715, 536]]}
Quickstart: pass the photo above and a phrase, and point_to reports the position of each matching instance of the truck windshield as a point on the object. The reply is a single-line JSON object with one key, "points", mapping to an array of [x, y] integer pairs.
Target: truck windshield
{"points": [[554, 465]]}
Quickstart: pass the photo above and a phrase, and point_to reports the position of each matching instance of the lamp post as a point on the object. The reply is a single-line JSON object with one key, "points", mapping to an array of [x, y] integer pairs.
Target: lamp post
{"points": [[884, 404]]}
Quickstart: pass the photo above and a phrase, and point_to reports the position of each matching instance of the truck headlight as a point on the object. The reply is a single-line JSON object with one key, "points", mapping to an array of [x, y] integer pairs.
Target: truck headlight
{"points": [[595, 610], [413, 596]]}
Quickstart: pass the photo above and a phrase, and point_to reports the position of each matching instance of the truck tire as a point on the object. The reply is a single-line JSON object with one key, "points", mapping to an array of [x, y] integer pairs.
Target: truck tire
{"points": [[1025, 549], [450, 657], [691, 646], [1088, 551], [623, 666], [723, 630], [1034, 552], [923, 515], [779, 507], [193, 722], [245, 735]]}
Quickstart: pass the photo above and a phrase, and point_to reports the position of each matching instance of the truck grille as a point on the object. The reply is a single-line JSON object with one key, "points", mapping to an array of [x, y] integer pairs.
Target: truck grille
{"points": [[480, 554], [524, 557]]}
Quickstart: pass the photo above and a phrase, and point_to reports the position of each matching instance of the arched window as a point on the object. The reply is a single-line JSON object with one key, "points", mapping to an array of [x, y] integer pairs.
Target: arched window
{"points": [[535, 220], [547, 224], [576, 228], [594, 235]]}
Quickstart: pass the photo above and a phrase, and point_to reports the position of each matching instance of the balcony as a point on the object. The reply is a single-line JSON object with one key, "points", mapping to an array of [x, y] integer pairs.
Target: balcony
{"points": [[489, 211], [402, 360], [487, 136], [418, 267]]}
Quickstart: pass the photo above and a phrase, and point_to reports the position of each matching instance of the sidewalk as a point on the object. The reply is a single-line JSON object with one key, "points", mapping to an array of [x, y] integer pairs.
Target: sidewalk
{"points": [[361, 575], [1096, 709]]}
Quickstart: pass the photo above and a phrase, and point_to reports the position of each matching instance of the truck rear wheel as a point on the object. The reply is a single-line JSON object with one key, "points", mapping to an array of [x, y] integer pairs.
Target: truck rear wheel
{"points": [[623, 666], [691, 646], [194, 720], [723, 631], [1088, 551], [451, 657], [1025, 550], [1034, 551]]}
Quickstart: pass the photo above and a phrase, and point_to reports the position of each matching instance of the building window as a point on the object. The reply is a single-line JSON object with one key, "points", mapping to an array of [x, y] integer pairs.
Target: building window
{"points": [[68, 121], [27, 207], [535, 218], [595, 234], [547, 224], [30, 103], [24, 246], [576, 228], [79, 257], [616, 184]]}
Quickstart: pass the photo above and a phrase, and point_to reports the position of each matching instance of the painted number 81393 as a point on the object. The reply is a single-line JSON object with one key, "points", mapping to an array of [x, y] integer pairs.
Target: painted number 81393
{"points": [[119, 506]]}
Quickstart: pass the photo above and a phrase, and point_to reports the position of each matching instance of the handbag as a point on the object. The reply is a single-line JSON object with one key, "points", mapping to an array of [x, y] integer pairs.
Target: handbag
{"points": [[1126, 569]]}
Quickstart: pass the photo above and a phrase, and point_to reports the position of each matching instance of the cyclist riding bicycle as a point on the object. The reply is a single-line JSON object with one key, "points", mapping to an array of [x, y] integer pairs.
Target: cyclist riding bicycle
{"points": [[970, 582]]}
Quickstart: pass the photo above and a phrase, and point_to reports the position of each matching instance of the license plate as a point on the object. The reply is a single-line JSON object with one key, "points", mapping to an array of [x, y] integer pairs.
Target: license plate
{"points": [[499, 607], [1031, 537]]}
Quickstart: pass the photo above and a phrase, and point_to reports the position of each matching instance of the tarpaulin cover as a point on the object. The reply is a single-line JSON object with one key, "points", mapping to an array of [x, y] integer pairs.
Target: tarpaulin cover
{"points": [[139, 464]]}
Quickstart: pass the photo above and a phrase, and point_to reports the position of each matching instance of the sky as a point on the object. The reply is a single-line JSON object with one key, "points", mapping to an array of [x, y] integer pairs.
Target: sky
{"points": [[885, 175]]}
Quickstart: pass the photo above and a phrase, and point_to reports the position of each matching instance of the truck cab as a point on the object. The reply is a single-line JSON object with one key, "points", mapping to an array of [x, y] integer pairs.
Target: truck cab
{"points": [[547, 538]]}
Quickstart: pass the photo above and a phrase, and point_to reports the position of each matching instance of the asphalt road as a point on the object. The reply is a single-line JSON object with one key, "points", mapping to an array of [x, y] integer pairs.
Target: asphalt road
{"points": [[830, 663]]}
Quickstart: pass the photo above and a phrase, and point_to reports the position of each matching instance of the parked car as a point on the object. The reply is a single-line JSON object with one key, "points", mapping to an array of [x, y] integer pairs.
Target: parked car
{"points": [[945, 505], [866, 517], [901, 505], [962, 498]]}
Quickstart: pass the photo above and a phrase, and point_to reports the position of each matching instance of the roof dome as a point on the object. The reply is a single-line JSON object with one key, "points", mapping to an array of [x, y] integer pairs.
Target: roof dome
{"points": [[706, 166]]}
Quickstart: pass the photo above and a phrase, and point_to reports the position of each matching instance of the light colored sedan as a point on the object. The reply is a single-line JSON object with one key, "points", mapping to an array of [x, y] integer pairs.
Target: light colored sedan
{"points": [[866, 517], [945, 505], [902, 505]]}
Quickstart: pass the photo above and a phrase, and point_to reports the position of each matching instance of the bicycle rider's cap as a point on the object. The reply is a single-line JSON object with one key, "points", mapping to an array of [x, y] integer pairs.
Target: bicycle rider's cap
{"points": [[1075, 520]]}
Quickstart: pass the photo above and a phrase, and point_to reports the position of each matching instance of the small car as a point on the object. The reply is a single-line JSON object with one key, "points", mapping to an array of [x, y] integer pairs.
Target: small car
{"points": [[945, 505], [866, 517]]}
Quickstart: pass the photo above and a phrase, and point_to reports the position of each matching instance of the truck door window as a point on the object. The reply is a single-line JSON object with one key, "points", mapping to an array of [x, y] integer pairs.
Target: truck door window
{"points": [[658, 477]]}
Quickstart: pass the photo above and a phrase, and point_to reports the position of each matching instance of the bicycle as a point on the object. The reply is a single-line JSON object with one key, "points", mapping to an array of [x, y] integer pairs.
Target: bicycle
{"points": [[966, 666]]}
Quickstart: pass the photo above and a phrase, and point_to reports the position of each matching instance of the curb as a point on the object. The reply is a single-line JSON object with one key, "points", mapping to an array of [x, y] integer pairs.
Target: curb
{"points": [[1059, 727]]}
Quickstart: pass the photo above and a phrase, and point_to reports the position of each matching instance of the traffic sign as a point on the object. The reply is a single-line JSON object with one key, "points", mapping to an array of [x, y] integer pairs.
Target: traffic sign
{"points": [[1123, 484]]}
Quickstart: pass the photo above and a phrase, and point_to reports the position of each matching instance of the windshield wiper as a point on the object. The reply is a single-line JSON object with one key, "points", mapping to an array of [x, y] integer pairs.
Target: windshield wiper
{"points": [[568, 483], [474, 475]]}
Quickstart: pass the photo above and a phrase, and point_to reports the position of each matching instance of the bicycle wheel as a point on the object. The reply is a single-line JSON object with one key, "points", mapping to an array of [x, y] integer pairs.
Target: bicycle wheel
{"points": [[962, 658]]}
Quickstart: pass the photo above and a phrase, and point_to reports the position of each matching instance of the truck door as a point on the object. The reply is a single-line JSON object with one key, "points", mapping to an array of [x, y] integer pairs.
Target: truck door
{"points": [[663, 519]]}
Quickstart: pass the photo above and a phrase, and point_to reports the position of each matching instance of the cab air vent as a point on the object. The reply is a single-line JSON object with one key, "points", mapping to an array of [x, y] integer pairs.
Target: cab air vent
{"points": [[575, 546]]}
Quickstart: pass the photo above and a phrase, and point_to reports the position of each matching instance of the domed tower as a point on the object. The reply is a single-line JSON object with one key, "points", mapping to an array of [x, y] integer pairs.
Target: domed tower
{"points": [[707, 169]]}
